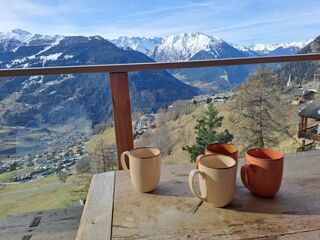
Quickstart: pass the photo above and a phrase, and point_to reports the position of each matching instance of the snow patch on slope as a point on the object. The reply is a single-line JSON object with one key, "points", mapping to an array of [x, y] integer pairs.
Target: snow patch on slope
{"points": [[51, 57]]}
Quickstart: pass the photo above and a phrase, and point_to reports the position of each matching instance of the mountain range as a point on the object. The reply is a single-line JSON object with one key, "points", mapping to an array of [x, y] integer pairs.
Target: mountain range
{"points": [[40, 100], [279, 48], [199, 41], [199, 46]]}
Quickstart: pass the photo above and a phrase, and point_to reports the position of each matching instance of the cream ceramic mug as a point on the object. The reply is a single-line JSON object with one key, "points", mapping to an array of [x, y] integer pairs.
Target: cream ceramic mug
{"points": [[217, 179], [145, 166]]}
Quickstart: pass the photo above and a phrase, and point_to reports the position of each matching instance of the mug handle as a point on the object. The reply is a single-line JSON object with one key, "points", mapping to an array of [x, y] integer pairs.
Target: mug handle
{"points": [[245, 169], [191, 177], [198, 160], [124, 164]]}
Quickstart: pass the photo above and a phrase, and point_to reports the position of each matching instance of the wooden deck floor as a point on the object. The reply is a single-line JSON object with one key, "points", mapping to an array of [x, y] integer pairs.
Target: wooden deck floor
{"points": [[55, 224]]}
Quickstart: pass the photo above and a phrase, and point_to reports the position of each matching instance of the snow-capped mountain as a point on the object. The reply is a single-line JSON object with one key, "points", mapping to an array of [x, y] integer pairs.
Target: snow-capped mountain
{"points": [[279, 48], [140, 44], [200, 46], [16, 38], [246, 50], [53, 99], [184, 46], [16, 34], [20, 48]]}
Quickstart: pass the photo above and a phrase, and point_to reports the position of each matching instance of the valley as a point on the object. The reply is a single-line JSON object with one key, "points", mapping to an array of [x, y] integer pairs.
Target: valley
{"points": [[49, 123]]}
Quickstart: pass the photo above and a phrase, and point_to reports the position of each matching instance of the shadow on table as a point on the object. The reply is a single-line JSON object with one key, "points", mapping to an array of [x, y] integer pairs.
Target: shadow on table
{"points": [[295, 202], [301, 200], [173, 188]]}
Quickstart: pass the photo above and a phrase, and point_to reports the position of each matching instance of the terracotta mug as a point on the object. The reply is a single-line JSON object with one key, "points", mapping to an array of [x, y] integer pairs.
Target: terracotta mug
{"points": [[217, 179], [221, 149], [145, 167], [262, 171]]}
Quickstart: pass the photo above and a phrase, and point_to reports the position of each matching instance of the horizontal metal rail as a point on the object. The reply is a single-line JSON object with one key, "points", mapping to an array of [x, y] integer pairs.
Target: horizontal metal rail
{"points": [[133, 67]]}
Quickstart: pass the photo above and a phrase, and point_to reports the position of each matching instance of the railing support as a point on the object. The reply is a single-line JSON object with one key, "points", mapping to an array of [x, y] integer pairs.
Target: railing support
{"points": [[119, 86]]}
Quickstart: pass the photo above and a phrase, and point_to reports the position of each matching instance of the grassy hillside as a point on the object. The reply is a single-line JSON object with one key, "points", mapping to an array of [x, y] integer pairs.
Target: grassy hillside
{"points": [[5, 177], [180, 131], [43, 194]]}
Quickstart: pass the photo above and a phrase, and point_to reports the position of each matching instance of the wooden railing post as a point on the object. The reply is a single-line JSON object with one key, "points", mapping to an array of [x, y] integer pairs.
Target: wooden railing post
{"points": [[119, 86]]}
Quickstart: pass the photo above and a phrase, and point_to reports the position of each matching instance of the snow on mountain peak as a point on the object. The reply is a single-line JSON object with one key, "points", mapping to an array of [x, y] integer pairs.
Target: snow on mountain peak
{"points": [[16, 34], [260, 47], [140, 44], [25, 37], [16, 38], [185, 45]]}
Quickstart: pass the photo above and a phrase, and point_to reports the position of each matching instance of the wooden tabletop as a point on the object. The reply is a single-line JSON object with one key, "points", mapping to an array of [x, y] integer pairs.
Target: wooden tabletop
{"points": [[114, 210]]}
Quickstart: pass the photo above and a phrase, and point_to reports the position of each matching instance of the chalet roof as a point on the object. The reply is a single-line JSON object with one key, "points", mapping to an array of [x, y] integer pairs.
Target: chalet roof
{"points": [[312, 110]]}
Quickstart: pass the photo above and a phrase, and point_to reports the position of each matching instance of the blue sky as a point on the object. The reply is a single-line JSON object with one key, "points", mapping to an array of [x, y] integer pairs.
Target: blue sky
{"points": [[238, 21]]}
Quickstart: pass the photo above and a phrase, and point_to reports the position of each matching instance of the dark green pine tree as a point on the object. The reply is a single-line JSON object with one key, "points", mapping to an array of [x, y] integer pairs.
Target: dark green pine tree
{"points": [[206, 133]]}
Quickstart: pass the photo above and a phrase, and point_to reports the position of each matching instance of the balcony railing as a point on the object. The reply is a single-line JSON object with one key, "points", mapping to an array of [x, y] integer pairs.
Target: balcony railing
{"points": [[120, 87], [310, 133]]}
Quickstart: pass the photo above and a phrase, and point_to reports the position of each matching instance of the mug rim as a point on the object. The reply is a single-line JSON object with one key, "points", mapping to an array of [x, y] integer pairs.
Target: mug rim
{"points": [[138, 148], [226, 154], [218, 155], [265, 159]]}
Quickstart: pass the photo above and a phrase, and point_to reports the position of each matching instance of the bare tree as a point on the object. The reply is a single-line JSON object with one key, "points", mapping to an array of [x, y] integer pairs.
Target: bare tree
{"points": [[62, 176], [259, 114], [159, 138], [105, 156], [179, 108], [99, 128], [84, 165]]}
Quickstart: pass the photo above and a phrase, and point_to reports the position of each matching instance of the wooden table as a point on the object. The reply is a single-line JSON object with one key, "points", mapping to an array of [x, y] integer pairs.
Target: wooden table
{"points": [[114, 210]]}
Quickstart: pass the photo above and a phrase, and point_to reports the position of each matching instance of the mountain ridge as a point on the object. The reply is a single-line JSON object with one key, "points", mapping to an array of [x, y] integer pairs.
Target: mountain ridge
{"points": [[34, 100], [193, 42], [254, 49]]}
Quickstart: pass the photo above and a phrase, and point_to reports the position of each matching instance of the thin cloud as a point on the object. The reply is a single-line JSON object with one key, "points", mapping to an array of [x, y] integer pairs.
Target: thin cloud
{"points": [[264, 22], [234, 19], [166, 10]]}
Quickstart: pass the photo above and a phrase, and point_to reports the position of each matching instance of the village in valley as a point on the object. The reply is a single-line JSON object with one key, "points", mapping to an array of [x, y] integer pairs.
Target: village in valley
{"points": [[147, 121], [45, 164]]}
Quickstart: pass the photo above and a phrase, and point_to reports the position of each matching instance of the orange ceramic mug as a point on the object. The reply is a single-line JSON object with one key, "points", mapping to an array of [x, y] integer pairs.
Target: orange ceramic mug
{"points": [[262, 171], [219, 149]]}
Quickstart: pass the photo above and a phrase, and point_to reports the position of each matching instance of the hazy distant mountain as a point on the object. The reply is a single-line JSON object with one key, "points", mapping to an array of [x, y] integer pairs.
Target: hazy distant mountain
{"points": [[246, 50], [279, 48], [29, 101], [141, 44]]}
